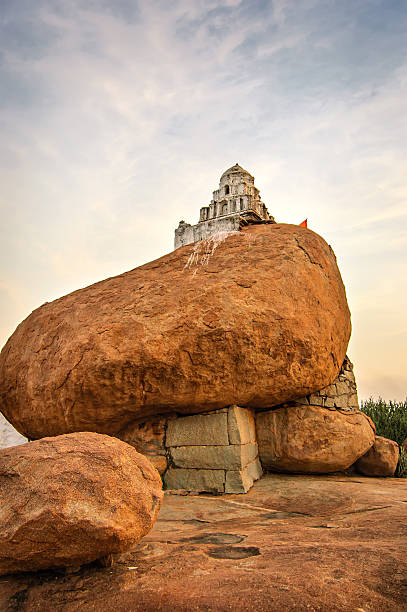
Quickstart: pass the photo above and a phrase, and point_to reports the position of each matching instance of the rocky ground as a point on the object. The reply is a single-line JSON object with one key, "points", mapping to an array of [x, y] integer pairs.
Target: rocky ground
{"points": [[315, 543]]}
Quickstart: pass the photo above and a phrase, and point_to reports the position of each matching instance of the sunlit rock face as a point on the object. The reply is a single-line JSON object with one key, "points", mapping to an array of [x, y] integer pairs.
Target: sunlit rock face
{"points": [[381, 459], [312, 439], [72, 499], [254, 319]]}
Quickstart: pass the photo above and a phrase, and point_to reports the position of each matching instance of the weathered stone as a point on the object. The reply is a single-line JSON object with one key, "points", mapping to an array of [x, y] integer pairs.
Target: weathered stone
{"points": [[263, 321], [72, 499], [329, 391], [341, 401], [241, 425], [342, 388], [315, 400], [231, 457], [340, 394], [241, 481], [198, 430], [254, 469], [310, 439], [148, 438], [195, 480], [381, 459]]}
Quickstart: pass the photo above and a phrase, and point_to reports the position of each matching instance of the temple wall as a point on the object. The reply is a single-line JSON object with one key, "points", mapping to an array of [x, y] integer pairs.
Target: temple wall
{"points": [[186, 234]]}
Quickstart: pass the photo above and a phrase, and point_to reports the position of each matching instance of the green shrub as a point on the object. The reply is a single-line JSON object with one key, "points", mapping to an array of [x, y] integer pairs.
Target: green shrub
{"points": [[401, 470], [390, 419]]}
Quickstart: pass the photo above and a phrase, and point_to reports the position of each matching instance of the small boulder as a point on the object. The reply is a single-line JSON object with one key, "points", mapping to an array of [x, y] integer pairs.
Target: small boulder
{"points": [[312, 439], [381, 459], [72, 499]]}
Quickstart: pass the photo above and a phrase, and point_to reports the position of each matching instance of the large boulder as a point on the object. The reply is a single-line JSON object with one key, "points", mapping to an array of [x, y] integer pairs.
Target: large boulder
{"points": [[381, 459], [312, 439], [255, 319], [72, 499]]}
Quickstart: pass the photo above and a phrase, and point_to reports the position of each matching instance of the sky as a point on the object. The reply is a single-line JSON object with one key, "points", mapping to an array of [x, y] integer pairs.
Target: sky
{"points": [[118, 117]]}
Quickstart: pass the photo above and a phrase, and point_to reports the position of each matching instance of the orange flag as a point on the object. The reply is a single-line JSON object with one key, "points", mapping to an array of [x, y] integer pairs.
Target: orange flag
{"points": [[304, 223]]}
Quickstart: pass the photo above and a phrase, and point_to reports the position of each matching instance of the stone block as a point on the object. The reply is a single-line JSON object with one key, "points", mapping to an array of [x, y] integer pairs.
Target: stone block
{"points": [[240, 481], [241, 425], [227, 457], [198, 430], [329, 403], [316, 400], [211, 481], [237, 482], [342, 388], [341, 401], [254, 469], [348, 375], [330, 391], [347, 365]]}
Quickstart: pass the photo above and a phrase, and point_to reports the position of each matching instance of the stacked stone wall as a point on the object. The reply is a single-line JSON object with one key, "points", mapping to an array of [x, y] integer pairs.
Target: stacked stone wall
{"points": [[341, 394], [214, 452]]}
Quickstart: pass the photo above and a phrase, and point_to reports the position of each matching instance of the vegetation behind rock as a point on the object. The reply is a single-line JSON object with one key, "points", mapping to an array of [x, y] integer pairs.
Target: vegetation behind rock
{"points": [[390, 419]]}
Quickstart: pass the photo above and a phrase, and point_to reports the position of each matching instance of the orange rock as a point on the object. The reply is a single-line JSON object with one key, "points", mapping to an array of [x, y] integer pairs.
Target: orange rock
{"points": [[72, 499], [147, 437], [255, 320], [381, 459], [312, 439]]}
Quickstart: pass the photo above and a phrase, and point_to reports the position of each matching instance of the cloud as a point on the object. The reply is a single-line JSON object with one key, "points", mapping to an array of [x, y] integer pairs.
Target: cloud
{"points": [[119, 117]]}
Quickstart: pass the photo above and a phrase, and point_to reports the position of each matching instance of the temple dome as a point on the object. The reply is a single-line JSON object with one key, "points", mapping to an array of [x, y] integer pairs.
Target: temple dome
{"points": [[235, 169]]}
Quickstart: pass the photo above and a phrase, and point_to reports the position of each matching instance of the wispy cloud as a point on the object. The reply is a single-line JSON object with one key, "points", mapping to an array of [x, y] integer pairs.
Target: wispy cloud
{"points": [[117, 119]]}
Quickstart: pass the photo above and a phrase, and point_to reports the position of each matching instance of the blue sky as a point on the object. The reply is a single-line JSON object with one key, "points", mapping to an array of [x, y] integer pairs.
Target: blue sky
{"points": [[118, 118]]}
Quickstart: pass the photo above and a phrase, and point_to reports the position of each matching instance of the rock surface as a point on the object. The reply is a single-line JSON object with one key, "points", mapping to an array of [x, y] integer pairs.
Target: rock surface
{"points": [[303, 543], [381, 459], [311, 439], [73, 499], [254, 320], [148, 438]]}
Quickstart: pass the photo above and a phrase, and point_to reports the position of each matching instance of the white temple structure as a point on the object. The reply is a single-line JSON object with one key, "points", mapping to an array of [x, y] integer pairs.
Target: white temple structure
{"points": [[234, 204]]}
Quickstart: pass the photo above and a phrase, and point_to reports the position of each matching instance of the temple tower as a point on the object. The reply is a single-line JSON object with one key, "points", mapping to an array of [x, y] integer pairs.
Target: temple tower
{"points": [[234, 204]]}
